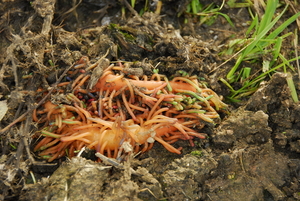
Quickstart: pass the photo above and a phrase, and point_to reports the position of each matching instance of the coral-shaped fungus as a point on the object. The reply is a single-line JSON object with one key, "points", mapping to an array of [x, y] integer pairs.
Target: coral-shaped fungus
{"points": [[123, 111]]}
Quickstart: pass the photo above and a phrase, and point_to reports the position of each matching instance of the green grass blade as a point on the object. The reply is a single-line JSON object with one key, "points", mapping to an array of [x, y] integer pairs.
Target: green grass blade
{"points": [[253, 24], [226, 17], [277, 31], [255, 80], [275, 68], [194, 6], [252, 45], [132, 3], [269, 13], [291, 85], [227, 84], [277, 48], [283, 25], [286, 62], [245, 88]]}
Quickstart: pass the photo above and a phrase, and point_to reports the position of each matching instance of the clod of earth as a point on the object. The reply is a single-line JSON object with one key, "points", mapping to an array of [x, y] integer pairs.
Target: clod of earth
{"points": [[123, 112]]}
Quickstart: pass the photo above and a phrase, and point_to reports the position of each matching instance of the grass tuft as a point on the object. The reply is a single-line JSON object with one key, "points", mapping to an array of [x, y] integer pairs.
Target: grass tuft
{"points": [[263, 45]]}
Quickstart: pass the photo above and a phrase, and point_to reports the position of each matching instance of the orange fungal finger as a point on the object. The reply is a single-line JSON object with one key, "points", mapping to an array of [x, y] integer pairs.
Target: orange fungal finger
{"points": [[169, 147], [103, 83]]}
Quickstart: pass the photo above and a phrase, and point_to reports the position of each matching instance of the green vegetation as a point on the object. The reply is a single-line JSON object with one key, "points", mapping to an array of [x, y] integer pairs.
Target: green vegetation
{"points": [[234, 4], [208, 14], [12, 146], [196, 153], [263, 45], [291, 85], [259, 54]]}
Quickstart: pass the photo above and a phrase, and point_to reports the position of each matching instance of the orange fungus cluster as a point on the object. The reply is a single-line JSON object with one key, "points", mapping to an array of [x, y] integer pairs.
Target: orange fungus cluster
{"points": [[124, 113]]}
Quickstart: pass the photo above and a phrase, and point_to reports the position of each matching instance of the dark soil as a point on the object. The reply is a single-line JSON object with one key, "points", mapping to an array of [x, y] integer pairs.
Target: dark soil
{"points": [[253, 154]]}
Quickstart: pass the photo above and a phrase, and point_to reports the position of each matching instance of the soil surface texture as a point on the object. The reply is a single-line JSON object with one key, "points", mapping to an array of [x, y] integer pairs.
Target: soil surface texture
{"points": [[251, 154]]}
